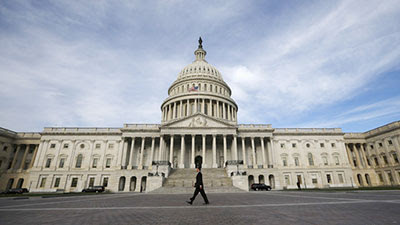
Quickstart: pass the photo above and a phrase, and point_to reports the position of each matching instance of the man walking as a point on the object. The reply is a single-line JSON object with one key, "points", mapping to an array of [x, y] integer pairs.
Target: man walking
{"points": [[199, 188]]}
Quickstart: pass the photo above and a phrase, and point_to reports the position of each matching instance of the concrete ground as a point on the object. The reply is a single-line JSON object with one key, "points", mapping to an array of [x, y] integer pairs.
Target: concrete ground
{"points": [[275, 207]]}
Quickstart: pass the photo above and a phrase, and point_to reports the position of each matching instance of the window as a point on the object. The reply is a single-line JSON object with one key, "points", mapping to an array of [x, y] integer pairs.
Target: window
{"points": [[65, 146], [52, 145], [57, 182], [110, 146], [62, 161], [78, 161], [82, 146], [380, 144], [376, 161], [94, 165], [31, 150], [108, 163], [385, 159], [48, 162], [310, 159], [337, 162], [390, 177], [328, 178], [293, 145], [287, 180], [333, 145], [368, 162], [74, 182], [5, 148], [1, 163], [284, 161], [372, 147], [91, 182], [282, 145], [308, 145], [43, 182], [341, 180], [325, 160], [105, 181], [395, 158], [314, 180], [98, 146], [322, 145], [380, 178], [296, 161], [390, 142]]}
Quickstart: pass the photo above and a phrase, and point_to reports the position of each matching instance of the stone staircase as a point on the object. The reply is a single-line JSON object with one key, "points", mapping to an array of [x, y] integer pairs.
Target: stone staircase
{"points": [[182, 180]]}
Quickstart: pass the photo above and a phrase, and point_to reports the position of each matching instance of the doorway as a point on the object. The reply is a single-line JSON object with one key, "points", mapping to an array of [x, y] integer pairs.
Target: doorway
{"points": [[198, 161]]}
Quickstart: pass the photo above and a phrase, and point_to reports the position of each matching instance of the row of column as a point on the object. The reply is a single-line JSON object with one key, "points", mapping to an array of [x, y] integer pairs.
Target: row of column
{"points": [[184, 108], [267, 157], [26, 151]]}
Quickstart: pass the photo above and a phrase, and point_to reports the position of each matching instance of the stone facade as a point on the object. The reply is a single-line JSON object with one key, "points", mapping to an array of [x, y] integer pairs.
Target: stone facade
{"points": [[198, 128]]}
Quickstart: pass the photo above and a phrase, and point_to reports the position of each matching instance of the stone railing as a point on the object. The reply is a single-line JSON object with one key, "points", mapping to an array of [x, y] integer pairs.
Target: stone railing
{"points": [[254, 126], [141, 126], [234, 162], [161, 163], [80, 130], [308, 130]]}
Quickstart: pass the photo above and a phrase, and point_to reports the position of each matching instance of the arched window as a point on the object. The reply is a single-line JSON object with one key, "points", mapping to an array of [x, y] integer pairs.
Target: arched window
{"points": [[310, 159], [78, 161]]}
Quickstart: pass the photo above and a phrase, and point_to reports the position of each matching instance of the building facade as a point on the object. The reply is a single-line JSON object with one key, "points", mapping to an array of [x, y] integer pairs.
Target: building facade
{"points": [[198, 128]]}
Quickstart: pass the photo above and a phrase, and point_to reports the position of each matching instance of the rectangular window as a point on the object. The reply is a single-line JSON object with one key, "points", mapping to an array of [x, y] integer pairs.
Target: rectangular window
{"points": [[385, 159], [5, 148], [395, 158], [337, 160], [287, 180], [390, 142], [368, 162], [74, 182], [376, 161], [110, 146], [322, 145], [284, 162], [105, 181], [380, 144], [1, 163], [94, 165], [390, 177], [108, 163], [380, 178], [282, 145], [328, 178], [325, 159], [65, 146], [91, 182], [48, 162], [57, 182], [43, 182], [62, 161], [98, 146], [296, 161], [314, 181], [294, 145], [341, 180], [52, 145], [372, 147], [333, 145]]}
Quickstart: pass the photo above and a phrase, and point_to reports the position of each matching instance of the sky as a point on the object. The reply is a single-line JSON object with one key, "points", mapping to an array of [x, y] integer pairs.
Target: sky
{"points": [[288, 63]]}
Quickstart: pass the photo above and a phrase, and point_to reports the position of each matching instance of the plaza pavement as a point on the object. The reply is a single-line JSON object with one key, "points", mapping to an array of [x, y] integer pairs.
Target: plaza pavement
{"points": [[275, 207]]}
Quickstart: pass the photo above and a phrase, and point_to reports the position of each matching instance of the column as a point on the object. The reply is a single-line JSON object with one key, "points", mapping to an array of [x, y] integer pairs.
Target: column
{"points": [[152, 152], [130, 163], [225, 150], [174, 111], [244, 152], [21, 167], [204, 150], [235, 152], [15, 157], [202, 106], [141, 153], [182, 164], [124, 154], [103, 158], [71, 158], [363, 155], [209, 107], [42, 153], [57, 155], [349, 155], [223, 111], [269, 151], [253, 150], [195, 105], [33, 159], [214, 151], [357, 156], [181, 109], [161, 147], [396, 145], [171, 151], [217, 109], [193, 153], [263, 152], [229, 112], [188, 108]]}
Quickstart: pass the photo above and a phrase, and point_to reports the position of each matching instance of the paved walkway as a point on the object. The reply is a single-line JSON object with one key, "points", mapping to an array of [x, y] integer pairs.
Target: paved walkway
{"points": [[369, 207]]}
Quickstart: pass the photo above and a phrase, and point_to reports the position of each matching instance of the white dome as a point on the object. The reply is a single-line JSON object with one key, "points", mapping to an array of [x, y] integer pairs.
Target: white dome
{"points": [[200, 68]]}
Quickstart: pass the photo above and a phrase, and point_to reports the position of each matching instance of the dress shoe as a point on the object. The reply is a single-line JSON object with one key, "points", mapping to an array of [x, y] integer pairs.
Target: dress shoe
{"points": [[189, 202]]}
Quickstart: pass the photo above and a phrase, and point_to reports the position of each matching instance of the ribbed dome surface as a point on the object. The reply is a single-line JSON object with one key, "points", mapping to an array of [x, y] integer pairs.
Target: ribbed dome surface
{"points": [[200, 68]]}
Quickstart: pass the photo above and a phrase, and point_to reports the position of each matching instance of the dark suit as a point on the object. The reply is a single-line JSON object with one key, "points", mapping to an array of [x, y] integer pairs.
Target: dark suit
{"points": [[199, 183]]}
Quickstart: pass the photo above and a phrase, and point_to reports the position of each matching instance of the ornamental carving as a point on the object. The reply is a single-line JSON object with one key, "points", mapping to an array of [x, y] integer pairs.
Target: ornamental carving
{"points": [[198, 122]]}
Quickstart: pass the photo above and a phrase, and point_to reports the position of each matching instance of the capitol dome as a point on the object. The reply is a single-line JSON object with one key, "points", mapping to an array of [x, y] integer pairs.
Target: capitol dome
{"points": [[199, 89]]}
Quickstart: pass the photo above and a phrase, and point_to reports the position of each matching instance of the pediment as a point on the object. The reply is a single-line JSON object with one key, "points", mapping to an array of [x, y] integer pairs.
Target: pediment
{"points": [[198, 120]]}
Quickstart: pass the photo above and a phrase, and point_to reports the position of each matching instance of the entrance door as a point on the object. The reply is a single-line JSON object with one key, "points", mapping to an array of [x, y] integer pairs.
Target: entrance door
{"points": [[198, 161]]}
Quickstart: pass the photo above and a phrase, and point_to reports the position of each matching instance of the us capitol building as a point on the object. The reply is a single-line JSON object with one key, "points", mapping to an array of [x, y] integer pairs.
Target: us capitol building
{"points": [[198, 127]]}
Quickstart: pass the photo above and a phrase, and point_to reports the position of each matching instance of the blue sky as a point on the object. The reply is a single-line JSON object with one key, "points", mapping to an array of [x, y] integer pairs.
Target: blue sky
{"points": [[288, 63]]}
